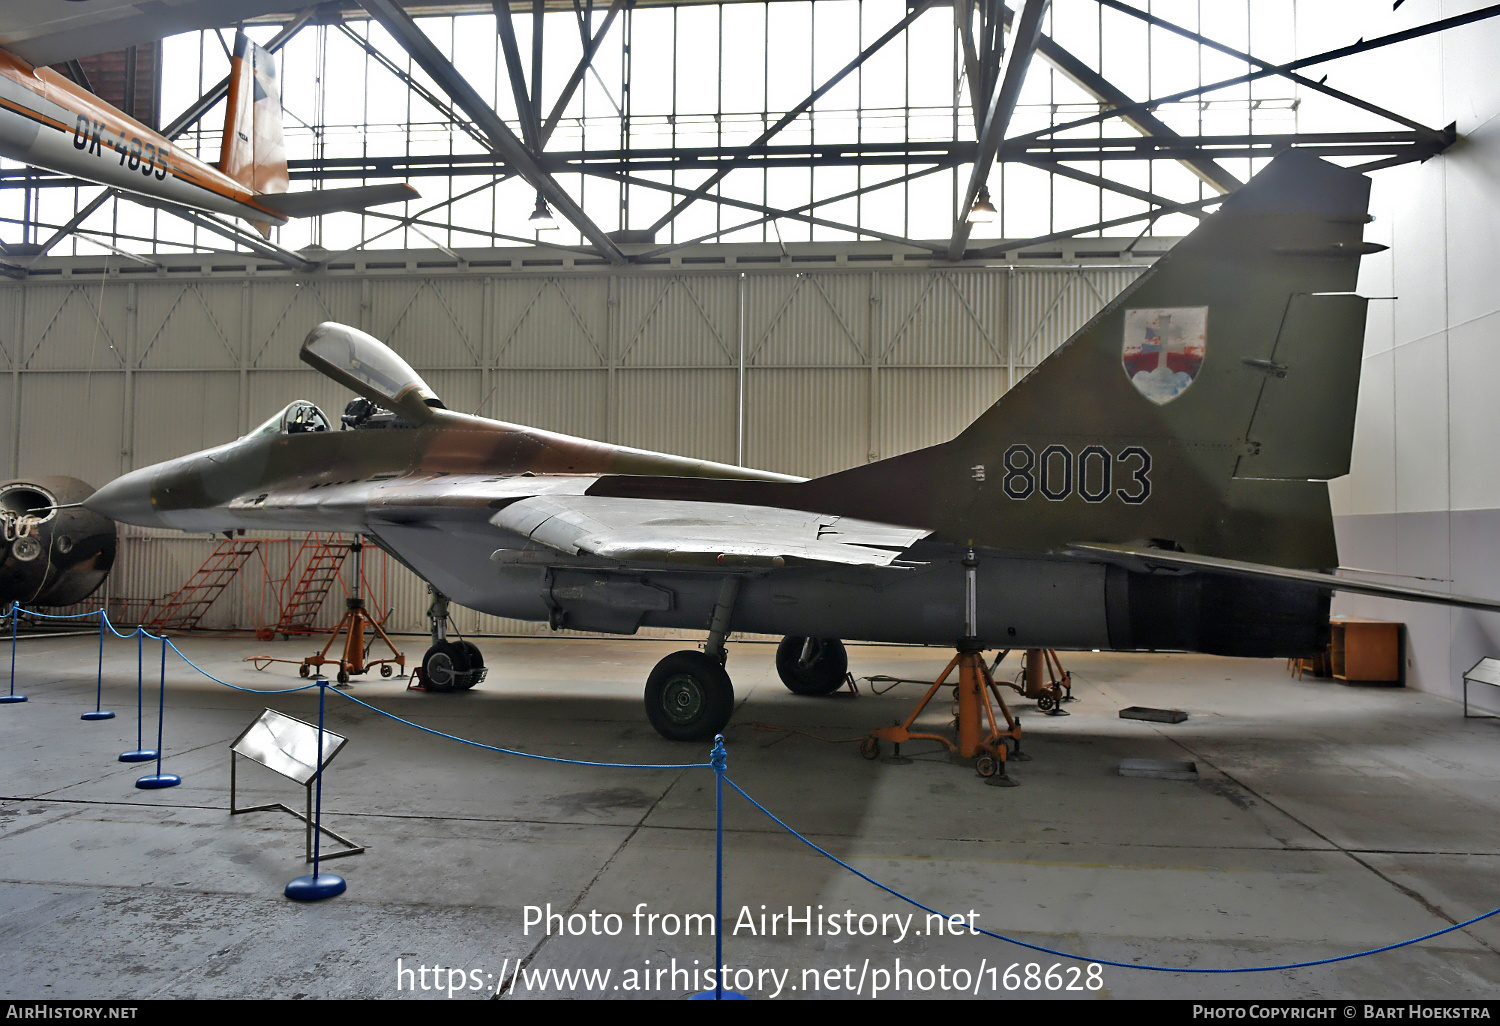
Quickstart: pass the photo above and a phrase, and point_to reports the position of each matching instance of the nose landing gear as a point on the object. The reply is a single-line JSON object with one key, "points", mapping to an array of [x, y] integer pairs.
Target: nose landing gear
{"points": [[447, 665]]}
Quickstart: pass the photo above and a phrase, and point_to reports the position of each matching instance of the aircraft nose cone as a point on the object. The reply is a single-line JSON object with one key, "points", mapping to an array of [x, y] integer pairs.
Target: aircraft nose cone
{"points": [[127, 499]]}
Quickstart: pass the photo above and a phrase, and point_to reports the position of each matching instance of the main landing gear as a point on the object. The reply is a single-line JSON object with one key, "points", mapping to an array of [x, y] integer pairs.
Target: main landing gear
{"points": [[448, 665], [689, 696], [812, 666]]}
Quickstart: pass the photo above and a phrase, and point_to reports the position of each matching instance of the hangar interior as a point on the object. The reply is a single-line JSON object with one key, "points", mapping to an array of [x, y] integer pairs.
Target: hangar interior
{"points": [[766, 262]]}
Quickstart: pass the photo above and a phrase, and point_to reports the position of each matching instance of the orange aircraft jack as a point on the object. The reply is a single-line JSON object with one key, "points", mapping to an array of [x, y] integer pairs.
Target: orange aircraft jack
{"points": [[980, 736]]}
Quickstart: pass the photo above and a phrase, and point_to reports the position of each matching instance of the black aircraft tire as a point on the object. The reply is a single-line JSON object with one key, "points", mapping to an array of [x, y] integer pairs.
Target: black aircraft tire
{"points": [[475, 661], [823, 677], [442, 664], [689, 697]]}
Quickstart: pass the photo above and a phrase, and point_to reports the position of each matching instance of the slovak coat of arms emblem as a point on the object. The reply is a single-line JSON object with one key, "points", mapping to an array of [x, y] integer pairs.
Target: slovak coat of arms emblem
{"points": [[1163, 350]]}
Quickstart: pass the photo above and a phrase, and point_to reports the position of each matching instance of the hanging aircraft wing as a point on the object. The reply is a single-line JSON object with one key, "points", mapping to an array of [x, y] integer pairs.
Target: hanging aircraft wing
{"points": [[707, 534], [44, 32], [1144, 558]]}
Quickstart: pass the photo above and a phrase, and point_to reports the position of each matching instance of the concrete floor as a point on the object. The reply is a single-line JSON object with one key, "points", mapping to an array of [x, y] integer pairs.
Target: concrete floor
{"points": [[1327, 819]]}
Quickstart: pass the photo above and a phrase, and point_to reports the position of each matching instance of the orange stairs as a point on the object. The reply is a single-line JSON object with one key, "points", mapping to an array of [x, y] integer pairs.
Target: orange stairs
{"points": [[324, 560], [183, 609]]}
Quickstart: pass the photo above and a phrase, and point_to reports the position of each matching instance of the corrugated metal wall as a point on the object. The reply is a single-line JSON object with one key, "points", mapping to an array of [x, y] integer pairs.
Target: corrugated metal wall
{"points": [[800, 372]]}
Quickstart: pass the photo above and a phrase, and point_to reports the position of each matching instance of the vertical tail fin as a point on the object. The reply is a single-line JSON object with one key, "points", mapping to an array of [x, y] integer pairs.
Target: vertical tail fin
{"points": [[1202, 410], [253, 153]]}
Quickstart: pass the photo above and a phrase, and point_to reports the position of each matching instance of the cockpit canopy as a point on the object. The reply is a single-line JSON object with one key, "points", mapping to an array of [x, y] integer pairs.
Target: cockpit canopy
{"points": [[299, 417], [369, 367]]}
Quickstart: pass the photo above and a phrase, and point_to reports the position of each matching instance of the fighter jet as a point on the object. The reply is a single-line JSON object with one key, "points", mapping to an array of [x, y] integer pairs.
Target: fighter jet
{"points": [[53, 123], [1157, 483]]}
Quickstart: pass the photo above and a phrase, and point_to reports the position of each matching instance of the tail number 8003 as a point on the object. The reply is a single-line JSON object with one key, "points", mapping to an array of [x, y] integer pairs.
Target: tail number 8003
{"points": [[1058, 472]]}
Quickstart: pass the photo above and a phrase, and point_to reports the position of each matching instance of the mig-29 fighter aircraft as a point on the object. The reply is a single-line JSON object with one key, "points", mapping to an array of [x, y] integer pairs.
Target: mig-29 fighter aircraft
{"points": [[1159, 482]]}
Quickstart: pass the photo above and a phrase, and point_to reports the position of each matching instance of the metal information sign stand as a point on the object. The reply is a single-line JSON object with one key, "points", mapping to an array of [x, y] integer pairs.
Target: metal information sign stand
{"points": [[1486, 671], [289, 747]]}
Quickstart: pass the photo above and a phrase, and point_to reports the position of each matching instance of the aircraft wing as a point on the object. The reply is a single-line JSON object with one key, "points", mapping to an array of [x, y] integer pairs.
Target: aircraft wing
{"points": [[1141, 558], [46, 32], [707, 534]]}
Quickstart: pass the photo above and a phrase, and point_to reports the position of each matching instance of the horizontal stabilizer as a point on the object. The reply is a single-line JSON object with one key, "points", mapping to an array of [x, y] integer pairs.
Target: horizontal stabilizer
{"points": [[1150, 559], [330, 201]]}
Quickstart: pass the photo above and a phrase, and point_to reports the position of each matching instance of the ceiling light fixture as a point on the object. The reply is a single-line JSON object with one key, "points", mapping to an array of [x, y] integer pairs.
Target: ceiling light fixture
{"points": [[541, 219], [983, 211]]}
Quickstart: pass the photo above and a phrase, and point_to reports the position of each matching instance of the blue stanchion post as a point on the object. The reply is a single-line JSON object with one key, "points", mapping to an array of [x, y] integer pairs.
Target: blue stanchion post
{"points": [[99, 712], [141, 753], [15, 615], [317, 885], [719, 760], [158, 780]]}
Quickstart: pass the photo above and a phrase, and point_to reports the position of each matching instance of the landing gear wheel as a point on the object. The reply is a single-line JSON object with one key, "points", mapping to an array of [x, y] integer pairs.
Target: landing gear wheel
{"points": [[822, 676], [474, 661], [386, 670], [870, 748], [303, 670], [689, 697], [986, 765], [442, 666]]}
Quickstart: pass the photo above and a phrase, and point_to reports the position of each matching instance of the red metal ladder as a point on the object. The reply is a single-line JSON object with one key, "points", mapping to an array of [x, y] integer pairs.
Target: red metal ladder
{"points": [[324, 560], [183, 609]]}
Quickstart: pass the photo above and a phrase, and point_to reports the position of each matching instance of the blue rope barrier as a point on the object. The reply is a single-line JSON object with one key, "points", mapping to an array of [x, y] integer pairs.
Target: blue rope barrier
{"points": [[527, 755], [1104, 961], [236, 687], [61, 616]]}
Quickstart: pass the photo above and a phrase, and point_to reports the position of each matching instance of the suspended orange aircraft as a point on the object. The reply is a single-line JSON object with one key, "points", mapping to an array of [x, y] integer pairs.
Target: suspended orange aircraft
{"points": [[50, 122]]}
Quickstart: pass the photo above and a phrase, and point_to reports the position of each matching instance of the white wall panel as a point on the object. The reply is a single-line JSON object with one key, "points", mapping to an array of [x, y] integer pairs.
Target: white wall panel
{"points": [[1419, 255], [678, 322], [283, 311], [189, 325], [687, 412], [1421, 370], [942, 318], [923, 407], [1473, 250], [179, 412], [439, 318], [1474, 416], [1372, 476], [807, 422], [75, 327], [550, 322], [574, 402], [807, 320], [71, 424]]}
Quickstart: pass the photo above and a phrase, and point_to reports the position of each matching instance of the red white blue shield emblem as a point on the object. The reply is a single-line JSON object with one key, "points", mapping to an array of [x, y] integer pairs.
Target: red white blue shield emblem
{"points": [[1163, 350]]}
